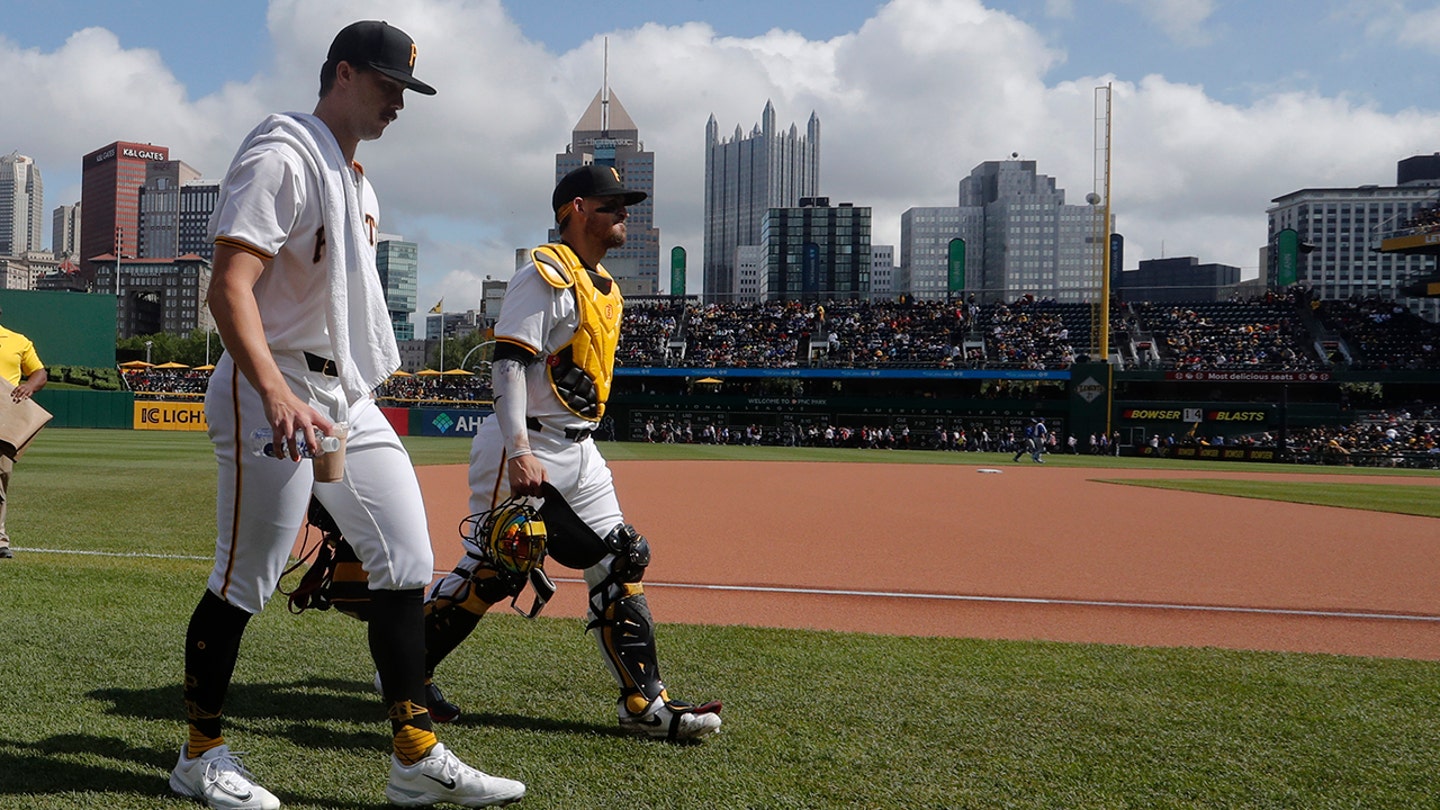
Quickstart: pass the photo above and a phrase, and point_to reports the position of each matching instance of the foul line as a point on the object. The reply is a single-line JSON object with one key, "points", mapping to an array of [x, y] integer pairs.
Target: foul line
{"points": [[1027, 600], [137, 554], [938, 597]]}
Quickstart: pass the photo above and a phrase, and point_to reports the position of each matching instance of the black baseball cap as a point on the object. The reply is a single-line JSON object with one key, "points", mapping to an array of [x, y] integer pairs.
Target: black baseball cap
{"points": [[380, 46], [593, 180]]}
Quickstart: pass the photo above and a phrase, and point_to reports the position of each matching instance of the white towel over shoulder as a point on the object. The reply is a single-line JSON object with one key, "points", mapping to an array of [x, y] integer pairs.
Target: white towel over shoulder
{"points": [[361, 337]]}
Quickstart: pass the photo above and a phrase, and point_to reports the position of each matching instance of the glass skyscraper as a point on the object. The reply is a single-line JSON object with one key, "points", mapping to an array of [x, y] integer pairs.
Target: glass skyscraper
{"points": [[745, 177], [399, 264]]}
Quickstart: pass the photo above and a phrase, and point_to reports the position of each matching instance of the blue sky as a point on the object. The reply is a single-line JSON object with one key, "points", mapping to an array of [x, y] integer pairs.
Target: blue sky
{"points": [[1220, 105], [1239, 49]]}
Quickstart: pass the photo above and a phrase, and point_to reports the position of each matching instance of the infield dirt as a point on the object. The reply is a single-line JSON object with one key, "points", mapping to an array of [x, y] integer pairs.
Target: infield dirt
{"points": [[1035, 552]]}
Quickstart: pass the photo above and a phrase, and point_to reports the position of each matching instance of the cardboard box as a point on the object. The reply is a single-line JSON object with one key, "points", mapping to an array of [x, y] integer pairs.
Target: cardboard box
{"points": [[19, 421]]}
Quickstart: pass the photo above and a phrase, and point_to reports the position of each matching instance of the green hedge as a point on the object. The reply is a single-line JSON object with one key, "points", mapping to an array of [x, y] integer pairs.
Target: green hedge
{"points": [[99, 379]]}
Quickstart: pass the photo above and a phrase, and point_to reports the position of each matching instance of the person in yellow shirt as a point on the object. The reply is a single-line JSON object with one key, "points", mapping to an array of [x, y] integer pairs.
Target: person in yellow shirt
{"points": [[17, 359]]}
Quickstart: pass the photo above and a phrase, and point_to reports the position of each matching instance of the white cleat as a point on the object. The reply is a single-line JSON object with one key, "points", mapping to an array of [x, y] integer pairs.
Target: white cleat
{"points": [[442, 777], [672, 720], [219, 780]]}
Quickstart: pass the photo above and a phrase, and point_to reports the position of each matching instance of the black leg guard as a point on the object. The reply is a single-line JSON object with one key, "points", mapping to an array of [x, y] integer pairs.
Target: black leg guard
{"points": [[626, 634], [456, 606]]}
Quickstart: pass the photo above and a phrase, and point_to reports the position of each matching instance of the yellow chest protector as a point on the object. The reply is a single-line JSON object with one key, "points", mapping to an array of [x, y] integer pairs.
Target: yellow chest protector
{"points": [[581, 371]]}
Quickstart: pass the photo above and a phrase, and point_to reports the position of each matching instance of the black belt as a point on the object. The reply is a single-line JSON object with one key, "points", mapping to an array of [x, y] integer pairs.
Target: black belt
{"points": [[321, 365], [573, 434]]}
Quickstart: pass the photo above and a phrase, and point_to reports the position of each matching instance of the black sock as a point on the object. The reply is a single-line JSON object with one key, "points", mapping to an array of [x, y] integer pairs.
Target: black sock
{"points": [[397, 643], [212, 646]]}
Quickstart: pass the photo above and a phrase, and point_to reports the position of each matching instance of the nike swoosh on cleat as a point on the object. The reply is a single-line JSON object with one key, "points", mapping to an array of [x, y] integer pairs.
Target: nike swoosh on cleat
{"points": [[448, 784]]}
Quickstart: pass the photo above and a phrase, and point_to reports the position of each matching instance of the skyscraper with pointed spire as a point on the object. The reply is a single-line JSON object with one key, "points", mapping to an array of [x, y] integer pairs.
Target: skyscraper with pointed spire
{"points": [[607, 136], [746, 176]]}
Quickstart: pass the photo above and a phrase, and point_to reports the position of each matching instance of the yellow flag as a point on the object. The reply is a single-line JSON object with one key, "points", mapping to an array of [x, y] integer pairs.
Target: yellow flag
{"points": [[435, 310]]}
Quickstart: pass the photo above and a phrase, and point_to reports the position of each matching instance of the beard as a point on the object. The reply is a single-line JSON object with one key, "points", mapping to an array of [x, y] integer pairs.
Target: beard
{"points": [[604, 232]]}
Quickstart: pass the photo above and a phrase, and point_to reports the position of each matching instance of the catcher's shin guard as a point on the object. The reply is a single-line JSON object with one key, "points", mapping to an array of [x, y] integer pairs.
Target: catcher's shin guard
{"points": [[625, 633], [620, 616], [456, 605]]}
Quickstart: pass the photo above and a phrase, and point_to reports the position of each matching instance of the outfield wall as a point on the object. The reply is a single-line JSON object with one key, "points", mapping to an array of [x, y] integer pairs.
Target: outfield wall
{"points": [[787, 403]]}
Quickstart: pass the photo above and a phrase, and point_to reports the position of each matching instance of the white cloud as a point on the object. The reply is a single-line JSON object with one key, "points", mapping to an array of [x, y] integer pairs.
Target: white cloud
{"points": [[1388, 22], [1183, 21], [1060, 9], [909, 104]]}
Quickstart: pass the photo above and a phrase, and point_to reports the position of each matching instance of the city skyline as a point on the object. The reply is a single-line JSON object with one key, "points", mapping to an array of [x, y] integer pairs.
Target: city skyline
{"points": [[1218, 108]]}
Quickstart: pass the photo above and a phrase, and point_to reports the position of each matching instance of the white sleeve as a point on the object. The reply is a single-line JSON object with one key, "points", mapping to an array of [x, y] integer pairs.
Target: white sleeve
{"points": [[532, 310], [507, 379], [260, 200]]}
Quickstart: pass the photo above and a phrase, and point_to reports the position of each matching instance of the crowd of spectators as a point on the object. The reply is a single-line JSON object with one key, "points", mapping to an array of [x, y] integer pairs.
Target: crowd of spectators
{"points": [[1398, 438], [1270, 332], [648, 329], [1426, 220], [442, 388], [1254, 333], [977, 438], [189, 382], [439, 388], [1382, 333], [764, 335], [1031, 333]]}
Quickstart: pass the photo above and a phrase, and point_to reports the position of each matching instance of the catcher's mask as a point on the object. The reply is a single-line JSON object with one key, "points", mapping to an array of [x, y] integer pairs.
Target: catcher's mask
{"points": [[512, 538]]}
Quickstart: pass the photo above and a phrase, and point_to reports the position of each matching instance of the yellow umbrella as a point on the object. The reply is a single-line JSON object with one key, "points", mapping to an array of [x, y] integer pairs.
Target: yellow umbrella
{"points": [[460, 372], [206, 367], [427, 372], [709, 380], [172, 364], [398, 373], [136, 365]]}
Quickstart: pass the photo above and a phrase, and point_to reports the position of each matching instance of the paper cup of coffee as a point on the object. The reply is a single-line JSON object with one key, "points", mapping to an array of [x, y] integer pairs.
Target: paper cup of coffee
{"points": [[330, 465]]}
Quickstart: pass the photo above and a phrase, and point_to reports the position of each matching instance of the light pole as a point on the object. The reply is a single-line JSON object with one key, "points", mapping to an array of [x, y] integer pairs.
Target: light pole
{"points": [[147, 350]]}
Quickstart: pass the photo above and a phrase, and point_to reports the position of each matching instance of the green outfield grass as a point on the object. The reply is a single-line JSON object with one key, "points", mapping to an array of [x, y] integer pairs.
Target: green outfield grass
{"points": [[1388, 497], [113, 531]]}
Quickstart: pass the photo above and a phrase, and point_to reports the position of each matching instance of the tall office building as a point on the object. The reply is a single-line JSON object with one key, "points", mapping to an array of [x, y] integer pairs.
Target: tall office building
{"points": [[159, 205], [157, 295], [1033, 242], [22, 205], [882, 272], [925, 235], [816, 252], [110, 181], [198, 199], [1345, 227], [1020, 237], [606, 136], [65, 230], [399, 265], [745, 177]]}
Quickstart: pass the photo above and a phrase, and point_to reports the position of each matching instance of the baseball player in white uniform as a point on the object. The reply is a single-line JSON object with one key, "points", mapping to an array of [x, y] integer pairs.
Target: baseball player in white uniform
{"points": [[552, 369], [297, 301]]}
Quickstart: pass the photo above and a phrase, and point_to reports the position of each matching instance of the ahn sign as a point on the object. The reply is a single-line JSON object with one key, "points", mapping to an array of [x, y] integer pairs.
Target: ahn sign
{"points": [[449, 422]]}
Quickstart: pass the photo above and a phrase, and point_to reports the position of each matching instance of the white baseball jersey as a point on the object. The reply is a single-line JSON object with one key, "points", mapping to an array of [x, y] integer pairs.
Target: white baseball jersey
{"points": [[543, 318], [272, 207]]}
